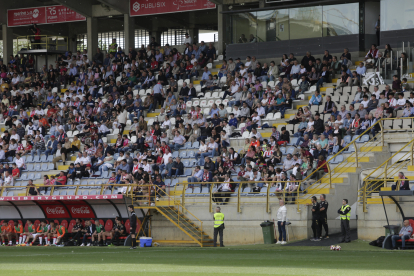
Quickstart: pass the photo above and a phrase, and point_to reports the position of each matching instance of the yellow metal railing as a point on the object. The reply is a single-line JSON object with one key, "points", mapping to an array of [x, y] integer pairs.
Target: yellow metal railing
{"points": [[266, 195], [386, 172], [49, 42], [352, 161]]}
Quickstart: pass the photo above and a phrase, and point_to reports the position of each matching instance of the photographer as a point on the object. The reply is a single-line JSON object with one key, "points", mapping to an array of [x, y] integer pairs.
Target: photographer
{"points": [[36, 32]]}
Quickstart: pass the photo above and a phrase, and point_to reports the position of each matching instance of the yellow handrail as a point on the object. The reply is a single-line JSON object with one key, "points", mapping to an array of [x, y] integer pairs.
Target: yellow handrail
{"points": [[48, 41], [368, 188]]}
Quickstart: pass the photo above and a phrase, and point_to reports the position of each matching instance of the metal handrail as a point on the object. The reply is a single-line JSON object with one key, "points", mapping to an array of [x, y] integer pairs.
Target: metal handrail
{"points": [[57, 38], [368, 184]]}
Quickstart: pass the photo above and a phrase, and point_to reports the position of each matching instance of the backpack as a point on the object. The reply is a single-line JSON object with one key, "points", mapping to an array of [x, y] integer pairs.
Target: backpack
{"points": [[378, 242]]}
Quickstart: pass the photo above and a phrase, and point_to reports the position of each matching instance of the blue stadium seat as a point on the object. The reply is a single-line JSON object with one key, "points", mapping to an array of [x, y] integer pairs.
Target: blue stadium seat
{"points": [[187, 145], [36, 159], [188, 172], [175, 154], [50, 158], [30, 167], [29, 159], [183, 154], [190, 154], [195, 145], [51, 167], [44, 168]]}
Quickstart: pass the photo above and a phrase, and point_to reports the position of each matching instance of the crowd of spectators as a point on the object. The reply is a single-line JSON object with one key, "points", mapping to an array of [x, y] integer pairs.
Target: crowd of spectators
{"points": [[100, 98]]}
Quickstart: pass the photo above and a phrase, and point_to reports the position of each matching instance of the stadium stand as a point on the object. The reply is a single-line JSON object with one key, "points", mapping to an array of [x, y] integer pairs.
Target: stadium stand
{"points": [[221, 132]]}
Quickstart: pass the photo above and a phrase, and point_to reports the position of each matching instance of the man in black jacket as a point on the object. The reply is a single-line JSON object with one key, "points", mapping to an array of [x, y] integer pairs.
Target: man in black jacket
{"points": [[177, 168], [323, 78], [184, 90], [133, 226], [209, 165], [402, 183], [77, 232], [318, 125], [87, 232]]}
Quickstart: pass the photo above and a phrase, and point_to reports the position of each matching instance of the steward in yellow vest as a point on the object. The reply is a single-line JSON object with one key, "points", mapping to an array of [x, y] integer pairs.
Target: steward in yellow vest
{"points": [[218, 226], [345, 215]]}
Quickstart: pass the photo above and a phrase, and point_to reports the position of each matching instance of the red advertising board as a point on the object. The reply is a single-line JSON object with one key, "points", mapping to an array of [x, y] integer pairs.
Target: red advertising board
{"points": [[59, 14], [80, 211], [55, 211], [42, 15], [146, 7], [53, 198], [26, 16]]}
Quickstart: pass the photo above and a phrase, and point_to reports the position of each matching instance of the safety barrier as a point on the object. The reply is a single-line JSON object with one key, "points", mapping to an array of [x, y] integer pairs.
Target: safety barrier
{"points": [[48, 42]]}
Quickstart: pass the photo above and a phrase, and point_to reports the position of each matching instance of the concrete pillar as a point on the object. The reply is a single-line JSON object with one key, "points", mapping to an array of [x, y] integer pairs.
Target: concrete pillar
{"points": [[72, 39], [193, 32], [262, 4], [222, 32], [7, 43], [92, 35], [129, 32]]}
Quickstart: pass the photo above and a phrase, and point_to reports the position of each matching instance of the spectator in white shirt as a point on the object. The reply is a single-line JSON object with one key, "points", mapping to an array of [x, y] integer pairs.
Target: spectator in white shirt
{"points": [[8, 179], [256, 134], [20, 163], [225, 140]]}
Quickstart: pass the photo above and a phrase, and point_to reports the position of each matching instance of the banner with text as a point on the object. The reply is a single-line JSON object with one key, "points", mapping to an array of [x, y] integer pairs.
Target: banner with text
{"points": [[147, 7], [42, 15]]}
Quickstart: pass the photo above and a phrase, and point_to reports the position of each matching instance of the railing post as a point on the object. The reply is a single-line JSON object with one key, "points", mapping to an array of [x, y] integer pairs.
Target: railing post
{"points": [[267, 199], [356, 153], [201, 233], [382, 132], [364, 200], [211, 198], [238, 197], [183, 197], [330, 176], [412, 148]]}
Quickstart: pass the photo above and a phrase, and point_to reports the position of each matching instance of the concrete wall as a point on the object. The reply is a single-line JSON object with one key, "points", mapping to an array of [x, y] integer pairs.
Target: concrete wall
{"points": [[241, 228]]}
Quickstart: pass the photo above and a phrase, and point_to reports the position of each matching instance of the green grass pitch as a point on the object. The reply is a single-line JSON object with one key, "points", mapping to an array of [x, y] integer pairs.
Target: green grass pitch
{"points": [[356, 258]]}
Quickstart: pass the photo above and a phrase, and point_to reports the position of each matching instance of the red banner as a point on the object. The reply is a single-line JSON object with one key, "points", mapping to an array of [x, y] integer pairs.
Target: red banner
{"points": [[59, 14], [80, 211], [28, 16], [55, 211], [42, 15], [146, 7], [51, 198]]}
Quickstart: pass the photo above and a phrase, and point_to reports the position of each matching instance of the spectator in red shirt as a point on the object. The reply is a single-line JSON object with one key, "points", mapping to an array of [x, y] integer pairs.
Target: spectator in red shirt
{"points": [[61, 180], [15, 171]]}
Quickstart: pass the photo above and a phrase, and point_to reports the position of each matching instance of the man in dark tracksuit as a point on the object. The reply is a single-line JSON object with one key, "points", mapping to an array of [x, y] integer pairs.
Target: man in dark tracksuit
{"points": [[315, 219], [323, 216], [133, 226], [77, 232]]}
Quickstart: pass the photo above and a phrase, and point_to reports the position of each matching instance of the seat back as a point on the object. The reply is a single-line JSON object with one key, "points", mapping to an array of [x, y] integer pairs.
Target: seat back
{"points": [[108, 225]]}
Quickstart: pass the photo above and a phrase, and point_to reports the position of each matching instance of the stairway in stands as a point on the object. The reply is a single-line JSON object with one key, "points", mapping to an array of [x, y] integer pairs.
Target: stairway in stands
{"points": [[341, 170], [186, 225]]}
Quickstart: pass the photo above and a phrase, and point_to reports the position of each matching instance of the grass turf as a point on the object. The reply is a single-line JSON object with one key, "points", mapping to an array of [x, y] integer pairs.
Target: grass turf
{"points": [[356, 258]]}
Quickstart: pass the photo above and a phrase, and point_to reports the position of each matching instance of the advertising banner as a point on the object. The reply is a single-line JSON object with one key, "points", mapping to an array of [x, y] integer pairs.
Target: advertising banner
{"points": [[42, 15], [147, 7]]}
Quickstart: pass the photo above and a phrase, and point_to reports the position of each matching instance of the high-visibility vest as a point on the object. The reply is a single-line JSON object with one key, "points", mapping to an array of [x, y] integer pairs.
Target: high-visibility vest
{"points": [[112, 50], [348, 215], [218, 219]]}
